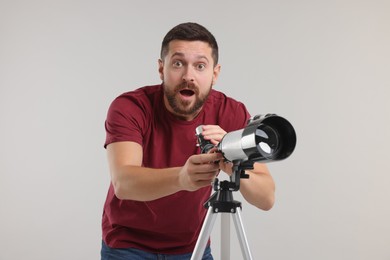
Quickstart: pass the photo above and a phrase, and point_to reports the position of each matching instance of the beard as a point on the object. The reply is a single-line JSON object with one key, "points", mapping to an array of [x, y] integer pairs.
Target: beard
{"points": [[184, 107]]}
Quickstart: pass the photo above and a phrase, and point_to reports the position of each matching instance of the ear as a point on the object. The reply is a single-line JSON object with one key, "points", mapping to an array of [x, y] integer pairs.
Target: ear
{"points": [[161, 69], [217, 70]]}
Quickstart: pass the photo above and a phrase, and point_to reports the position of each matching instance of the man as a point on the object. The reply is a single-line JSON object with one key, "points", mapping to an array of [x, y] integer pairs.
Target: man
{"points": [[159, 179]]}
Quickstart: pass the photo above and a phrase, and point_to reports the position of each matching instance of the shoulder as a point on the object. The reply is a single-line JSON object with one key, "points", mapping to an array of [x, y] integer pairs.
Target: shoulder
{"points": [[220, 97], [232, 114], [143, 94], [139, 99], [134, 106], [224, 102]]}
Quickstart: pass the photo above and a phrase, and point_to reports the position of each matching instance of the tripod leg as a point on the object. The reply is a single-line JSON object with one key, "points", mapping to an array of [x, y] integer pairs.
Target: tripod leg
{"points": [[241, 235], [204, 235], [225, 236]]}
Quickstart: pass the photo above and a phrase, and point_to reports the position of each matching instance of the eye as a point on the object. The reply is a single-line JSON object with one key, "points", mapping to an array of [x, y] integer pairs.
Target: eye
{"points": [[201, 66], [177, 64]]}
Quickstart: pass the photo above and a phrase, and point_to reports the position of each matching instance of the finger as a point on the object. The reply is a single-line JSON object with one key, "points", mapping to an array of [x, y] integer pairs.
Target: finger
{"points": [[205, 158], [211, 127], [211, 131], [226, 167], [206, 168], [204, 183], [207, 176], [213, 150], [214, 138]]}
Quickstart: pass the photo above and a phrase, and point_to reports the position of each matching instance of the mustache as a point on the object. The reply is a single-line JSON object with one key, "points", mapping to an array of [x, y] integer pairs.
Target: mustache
{"points": [[186, 85]]}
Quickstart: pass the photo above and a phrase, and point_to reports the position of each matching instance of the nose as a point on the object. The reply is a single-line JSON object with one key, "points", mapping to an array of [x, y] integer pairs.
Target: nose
{"points": [[188, 75]]}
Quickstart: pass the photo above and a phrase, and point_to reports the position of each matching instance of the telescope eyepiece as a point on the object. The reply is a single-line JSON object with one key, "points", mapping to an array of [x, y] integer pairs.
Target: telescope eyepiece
{"points": [[205, 145]]}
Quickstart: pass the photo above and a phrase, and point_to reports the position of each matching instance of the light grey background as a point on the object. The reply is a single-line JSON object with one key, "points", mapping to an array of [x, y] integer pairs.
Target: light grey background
{"points": [[323, 65]]}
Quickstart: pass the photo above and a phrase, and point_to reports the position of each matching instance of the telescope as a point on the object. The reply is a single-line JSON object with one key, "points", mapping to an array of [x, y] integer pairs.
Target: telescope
{"points": [[266, 138]]}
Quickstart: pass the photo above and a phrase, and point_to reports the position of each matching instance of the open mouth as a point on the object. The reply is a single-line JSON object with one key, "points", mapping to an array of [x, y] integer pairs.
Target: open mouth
{"points": [[187, 92]]}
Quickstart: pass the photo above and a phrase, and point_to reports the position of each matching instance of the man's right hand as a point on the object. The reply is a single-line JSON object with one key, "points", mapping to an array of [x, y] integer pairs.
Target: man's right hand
{"points": [[199, 171]]}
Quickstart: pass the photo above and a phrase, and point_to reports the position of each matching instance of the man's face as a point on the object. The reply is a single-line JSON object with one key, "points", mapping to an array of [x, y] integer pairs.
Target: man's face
{"points": [[188, 74]]}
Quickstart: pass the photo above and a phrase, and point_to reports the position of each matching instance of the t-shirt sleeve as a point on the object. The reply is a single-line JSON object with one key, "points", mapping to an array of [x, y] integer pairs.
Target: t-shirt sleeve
{"points": [[235, 116], [125, 121], [243, 114]]}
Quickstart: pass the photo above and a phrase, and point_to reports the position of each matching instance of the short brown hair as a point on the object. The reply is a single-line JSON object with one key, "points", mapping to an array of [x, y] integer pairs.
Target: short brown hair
{"points": [[190, 32]]}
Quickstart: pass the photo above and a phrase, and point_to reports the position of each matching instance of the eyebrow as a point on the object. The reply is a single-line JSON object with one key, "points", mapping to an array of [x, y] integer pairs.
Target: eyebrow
{"points": [[180, 54]]}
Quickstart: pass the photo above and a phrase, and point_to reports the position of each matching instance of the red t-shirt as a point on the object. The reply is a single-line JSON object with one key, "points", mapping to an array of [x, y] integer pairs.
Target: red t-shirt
{"points": [[171, 224]]}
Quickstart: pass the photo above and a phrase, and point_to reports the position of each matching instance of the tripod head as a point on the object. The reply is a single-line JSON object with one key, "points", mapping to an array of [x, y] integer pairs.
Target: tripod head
{"points": [[222, 199], [239, 168]]}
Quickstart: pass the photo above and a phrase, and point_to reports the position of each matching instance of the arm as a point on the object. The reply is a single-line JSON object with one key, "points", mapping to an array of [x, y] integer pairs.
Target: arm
{"points": [[132, 181], [259, 189]]}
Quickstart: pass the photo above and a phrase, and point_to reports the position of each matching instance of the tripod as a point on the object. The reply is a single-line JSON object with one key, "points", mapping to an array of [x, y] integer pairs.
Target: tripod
{"points": [[222, 202]]}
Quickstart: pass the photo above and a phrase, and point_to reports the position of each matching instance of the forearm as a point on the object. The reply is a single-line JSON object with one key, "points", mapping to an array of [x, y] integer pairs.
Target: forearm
{"points": [[259, 189], [133, 182], [144, 184]]}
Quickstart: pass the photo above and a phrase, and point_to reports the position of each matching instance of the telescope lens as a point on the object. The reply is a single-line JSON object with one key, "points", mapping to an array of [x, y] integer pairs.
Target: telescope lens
{"points": [[267, 141]]}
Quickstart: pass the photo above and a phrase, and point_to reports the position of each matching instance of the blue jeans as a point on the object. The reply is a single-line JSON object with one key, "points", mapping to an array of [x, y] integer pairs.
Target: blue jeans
{"points": [[108, 253]]}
